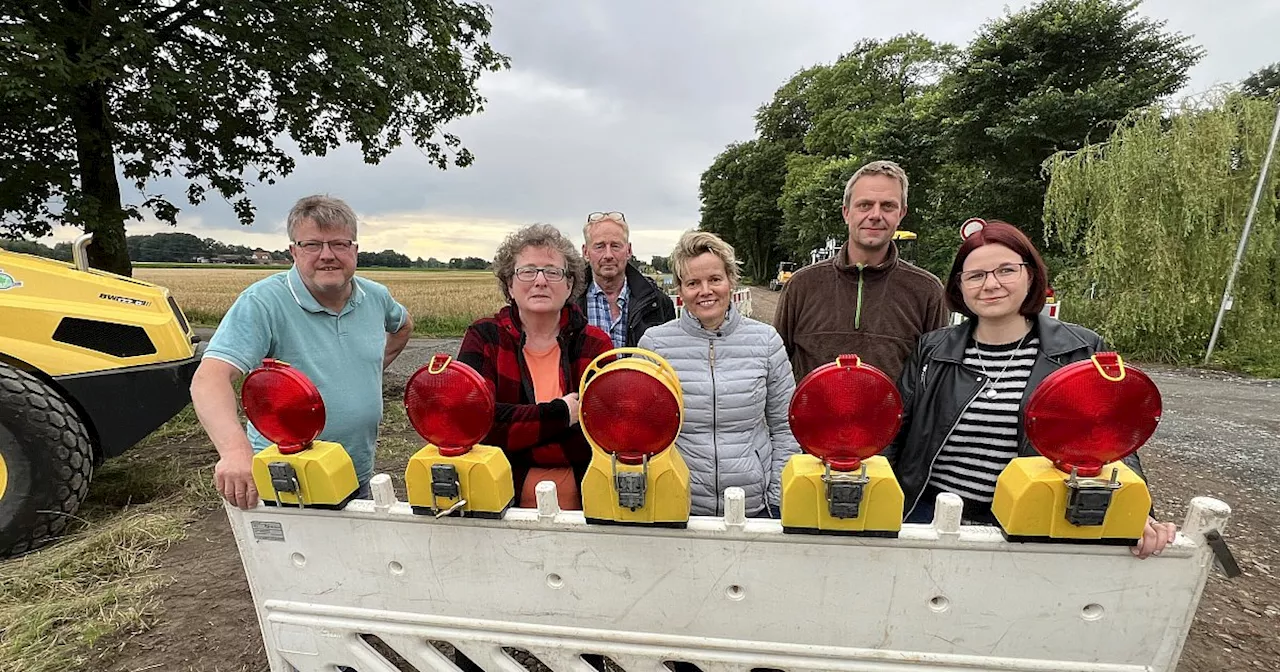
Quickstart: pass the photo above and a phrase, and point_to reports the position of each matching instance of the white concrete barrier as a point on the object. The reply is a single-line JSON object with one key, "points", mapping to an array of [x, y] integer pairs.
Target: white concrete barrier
{"points": [[376, 588]]}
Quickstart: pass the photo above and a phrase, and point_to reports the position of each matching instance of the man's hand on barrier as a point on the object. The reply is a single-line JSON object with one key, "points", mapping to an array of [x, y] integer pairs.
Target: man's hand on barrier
{"points": [[572, 400], [1155, 537], [233, 476]]}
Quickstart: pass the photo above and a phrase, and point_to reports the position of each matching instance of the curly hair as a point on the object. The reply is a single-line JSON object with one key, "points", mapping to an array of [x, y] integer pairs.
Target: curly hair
{"points": [[697, 243], [545, 236]]}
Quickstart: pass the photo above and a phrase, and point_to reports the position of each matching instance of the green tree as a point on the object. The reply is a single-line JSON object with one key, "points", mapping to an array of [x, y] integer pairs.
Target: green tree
{"points": [[174, 247], [385, 258], [1154, 216], [878, 101], [63, 252], [208, 92], [1051, 77], [1264, 83], [811, 200], [660, 264], [868, 98], [739, 194], [787, 118], [26, 247]]}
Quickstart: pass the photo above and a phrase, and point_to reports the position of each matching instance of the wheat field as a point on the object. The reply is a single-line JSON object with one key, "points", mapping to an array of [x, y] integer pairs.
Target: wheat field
{"points": [[443, 303]]}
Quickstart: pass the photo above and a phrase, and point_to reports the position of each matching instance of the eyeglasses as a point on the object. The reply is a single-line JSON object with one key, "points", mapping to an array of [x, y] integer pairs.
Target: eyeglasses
{"points": [[530, 273], [1004, 273], [601, 216], [314, 246]]}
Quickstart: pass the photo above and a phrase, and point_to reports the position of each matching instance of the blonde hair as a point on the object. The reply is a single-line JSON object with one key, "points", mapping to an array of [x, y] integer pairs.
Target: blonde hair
{"points": [[697, 243], [538, 235], [586, 230], [887, 168]]}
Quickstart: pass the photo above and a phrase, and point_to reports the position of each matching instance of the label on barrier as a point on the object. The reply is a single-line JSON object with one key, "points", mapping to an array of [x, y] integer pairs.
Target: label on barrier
{"points": [[267, 531]]}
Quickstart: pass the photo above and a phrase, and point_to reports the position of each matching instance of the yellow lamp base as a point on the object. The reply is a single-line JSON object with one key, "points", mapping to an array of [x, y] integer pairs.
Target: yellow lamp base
{"points": [[1032, 500], [323, 474], [661, 489], [476, 484], [806, 507]]}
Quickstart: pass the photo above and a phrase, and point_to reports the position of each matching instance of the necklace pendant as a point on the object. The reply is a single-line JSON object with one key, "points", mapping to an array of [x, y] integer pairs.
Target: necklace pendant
{"points": [[990, 393]]}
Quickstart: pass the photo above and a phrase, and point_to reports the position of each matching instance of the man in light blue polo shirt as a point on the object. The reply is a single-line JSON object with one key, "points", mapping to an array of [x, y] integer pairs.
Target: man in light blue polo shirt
{"points": [[339, 330]]}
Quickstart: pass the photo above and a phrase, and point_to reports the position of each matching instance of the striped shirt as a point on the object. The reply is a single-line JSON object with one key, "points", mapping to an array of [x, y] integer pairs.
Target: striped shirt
{"points": [[986, 437], [598, 313]]}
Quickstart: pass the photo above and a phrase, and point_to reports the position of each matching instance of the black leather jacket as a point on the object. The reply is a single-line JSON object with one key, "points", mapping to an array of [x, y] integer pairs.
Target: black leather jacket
{"points": [[648, 305], [936, 387]]}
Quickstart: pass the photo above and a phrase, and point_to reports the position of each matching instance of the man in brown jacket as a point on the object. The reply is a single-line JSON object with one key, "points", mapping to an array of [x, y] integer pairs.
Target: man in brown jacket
{"points": [[864, 300]]}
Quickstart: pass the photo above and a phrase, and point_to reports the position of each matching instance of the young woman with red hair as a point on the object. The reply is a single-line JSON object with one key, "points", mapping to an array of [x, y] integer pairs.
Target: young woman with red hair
{"points": [[964, 387]]}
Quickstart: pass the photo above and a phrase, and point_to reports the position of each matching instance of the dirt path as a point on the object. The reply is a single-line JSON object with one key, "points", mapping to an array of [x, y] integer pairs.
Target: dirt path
{"points": [[1220, 436]]}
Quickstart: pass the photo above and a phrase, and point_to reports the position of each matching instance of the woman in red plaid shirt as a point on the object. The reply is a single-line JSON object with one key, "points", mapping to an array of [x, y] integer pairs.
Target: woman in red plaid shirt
{"points": [[534, 351]]}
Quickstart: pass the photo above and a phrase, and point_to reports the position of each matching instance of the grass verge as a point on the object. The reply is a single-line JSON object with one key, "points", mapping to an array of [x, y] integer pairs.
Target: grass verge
{"points": [[57, 603]]}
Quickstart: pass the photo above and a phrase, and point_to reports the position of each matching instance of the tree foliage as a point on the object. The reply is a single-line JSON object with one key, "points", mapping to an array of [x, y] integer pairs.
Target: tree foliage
{"points": [[60, 251], [971, 127], [468, 263], [1049, 78], [1154, 216], [184, 248], [214, 93], [770, 197], [740, 202], [1264, 83], [175, 247]]}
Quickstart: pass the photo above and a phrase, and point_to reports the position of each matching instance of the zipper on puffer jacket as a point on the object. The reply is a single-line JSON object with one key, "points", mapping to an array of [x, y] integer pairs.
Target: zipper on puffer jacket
{"points": [[857, 314], [929, 474], [715, 447]]}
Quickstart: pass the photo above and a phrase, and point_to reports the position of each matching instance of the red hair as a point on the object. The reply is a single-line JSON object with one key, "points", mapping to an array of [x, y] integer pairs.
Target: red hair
{"points": [[996, 232]]}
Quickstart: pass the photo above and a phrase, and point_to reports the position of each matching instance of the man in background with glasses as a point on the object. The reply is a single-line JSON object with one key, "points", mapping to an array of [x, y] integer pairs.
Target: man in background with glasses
{"points": [[339, 330], [620, 300]]}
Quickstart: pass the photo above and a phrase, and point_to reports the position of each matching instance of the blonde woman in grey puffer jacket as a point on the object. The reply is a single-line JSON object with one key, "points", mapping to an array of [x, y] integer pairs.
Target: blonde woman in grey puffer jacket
{"points": [[736, 379]]}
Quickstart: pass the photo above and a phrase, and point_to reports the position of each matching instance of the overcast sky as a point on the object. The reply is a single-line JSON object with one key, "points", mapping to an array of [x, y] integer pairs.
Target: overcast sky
{"points": [[622, 105]]}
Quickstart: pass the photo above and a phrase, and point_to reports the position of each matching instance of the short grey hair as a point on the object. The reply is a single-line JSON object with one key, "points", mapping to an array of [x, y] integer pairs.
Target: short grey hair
{"points": [[697, 243], [586, 230], [544, 236], [888, 168], [326, 211]]}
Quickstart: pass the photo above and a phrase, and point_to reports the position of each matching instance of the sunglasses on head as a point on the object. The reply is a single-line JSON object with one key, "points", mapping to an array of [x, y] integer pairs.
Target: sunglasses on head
{"points": [[601, 216]]}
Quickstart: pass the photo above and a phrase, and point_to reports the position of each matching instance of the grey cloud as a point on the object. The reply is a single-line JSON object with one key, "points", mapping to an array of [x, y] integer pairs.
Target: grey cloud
{"points": [[621, 105]]}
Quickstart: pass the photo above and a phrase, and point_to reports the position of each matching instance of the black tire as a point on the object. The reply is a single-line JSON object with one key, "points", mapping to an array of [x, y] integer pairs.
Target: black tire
{"points": [[48, 457]]}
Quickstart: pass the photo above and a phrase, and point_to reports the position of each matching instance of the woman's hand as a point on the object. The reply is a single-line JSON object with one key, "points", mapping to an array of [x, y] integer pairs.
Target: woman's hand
{"points": [[1155, 537], [571, 400]]}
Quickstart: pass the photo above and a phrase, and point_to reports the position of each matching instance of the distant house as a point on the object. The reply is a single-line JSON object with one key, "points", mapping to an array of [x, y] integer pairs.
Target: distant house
{"points": [[261, 256]]}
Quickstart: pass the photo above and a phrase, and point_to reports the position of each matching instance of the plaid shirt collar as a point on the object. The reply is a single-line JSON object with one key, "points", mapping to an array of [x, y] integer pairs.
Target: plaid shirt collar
{"points": [[598, 312]]}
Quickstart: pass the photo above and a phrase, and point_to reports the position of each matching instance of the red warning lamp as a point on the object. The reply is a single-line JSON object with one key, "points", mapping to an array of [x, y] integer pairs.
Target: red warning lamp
{"points": [[450, 405], [631, 413], [284, 405], [1091, 413], [845, 412]]}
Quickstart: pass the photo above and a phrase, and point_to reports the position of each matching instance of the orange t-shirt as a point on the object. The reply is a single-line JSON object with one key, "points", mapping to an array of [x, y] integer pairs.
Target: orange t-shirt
{"points": [[544, 368]]}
